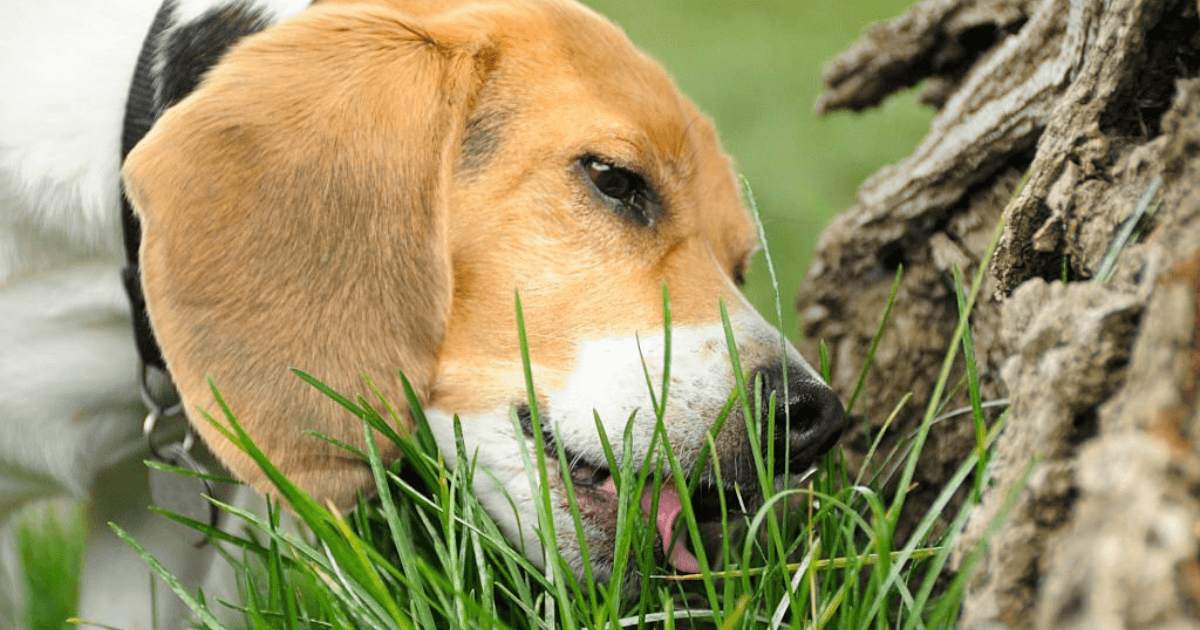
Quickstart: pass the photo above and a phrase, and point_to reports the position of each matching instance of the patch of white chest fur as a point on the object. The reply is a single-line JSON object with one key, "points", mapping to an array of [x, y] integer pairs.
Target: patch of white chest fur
{"points": [[69, 405], [610, 381], [65, 72]]}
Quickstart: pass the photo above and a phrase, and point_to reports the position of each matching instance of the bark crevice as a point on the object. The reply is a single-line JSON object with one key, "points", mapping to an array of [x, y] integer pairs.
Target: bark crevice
{"points": [[1096, 105]]}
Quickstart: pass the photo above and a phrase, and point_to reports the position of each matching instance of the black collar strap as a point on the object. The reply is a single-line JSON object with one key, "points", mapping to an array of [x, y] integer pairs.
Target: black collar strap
{"points": [[141, 110]]}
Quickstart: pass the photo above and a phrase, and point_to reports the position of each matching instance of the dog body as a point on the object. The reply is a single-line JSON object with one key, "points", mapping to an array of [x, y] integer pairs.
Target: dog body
{"points": [[363, 187]]}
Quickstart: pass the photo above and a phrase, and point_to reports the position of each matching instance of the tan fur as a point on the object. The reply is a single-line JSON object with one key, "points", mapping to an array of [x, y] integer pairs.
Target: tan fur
{"points": [[311, 205]]}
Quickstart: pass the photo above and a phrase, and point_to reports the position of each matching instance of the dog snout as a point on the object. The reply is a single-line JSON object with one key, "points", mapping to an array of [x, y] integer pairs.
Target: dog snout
{"points": [[809, 418]]}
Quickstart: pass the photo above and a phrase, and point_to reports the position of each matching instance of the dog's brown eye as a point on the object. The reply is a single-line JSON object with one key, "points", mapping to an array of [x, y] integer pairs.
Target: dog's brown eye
{"points": [[739, 274], [612, 181], [625, 190]]}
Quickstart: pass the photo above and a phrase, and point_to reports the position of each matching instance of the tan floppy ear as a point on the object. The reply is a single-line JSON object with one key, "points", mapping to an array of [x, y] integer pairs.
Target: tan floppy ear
{"points": [[293, 215]]}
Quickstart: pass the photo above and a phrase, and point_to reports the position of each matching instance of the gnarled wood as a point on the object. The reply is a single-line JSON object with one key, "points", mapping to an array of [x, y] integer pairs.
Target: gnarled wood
{"points": [[1089, 99]]}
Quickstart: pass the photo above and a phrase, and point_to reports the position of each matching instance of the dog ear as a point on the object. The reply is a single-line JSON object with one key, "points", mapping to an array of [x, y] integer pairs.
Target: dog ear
{"points": [[293, 215]]}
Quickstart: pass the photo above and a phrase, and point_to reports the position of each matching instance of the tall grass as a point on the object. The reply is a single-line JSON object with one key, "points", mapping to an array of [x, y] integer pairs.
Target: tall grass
{"points": [[424, 553], [49, 539]]}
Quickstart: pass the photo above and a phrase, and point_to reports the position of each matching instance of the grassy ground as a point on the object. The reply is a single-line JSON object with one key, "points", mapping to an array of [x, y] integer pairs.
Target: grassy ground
{"points": [[755, 67]]}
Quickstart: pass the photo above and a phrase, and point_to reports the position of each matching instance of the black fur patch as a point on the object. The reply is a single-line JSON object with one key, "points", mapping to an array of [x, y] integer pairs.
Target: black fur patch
{"points": [[189, 50]]}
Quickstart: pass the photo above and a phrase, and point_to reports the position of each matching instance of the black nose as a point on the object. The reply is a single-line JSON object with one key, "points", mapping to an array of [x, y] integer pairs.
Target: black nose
{"points": [[807, 425]]}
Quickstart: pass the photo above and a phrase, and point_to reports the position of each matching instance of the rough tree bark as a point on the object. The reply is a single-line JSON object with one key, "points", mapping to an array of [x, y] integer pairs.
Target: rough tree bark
{"points": [[1096, 101]]}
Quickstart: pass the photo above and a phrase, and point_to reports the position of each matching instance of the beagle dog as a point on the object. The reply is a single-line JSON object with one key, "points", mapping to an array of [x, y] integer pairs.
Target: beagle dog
{"points": [[361, 187]]}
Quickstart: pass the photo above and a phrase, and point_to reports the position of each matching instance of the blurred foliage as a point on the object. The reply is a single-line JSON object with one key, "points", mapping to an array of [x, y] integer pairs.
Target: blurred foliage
{"points": [[755, 68]]}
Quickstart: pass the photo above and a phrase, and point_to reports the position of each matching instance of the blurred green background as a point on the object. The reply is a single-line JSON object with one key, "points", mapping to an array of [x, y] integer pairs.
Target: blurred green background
{"points": [[755, 68]]}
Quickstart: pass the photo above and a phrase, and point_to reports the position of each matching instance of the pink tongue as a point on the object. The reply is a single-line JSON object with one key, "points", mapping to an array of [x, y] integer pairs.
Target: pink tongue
{"points": [[669, 508]]}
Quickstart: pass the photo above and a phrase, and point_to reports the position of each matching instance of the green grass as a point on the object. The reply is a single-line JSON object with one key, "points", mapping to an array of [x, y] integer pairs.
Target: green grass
{"points": [[755, 68], [49, 542], [426, 555]]}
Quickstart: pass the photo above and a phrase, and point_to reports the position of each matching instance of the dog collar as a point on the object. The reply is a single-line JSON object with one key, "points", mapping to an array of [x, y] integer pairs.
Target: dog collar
{"points": [[142, 109], [140, 113]]}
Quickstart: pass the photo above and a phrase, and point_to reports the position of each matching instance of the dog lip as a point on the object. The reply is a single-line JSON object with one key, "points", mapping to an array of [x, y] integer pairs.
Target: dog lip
{"points": [[706, 503], [583, 473], [600, 495]]}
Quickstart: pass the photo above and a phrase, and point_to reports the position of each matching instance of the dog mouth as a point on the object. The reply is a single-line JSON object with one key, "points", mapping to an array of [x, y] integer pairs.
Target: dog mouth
{"points": [[597, 494]]}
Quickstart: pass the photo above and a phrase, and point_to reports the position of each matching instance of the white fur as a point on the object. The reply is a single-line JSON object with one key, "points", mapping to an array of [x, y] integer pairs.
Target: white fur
{"points": [[65, 72], [70, 413]]}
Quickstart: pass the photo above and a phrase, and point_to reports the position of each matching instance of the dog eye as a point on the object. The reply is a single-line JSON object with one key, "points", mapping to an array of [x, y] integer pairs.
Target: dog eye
{"points": [[625, 190], [614, 182], [739, 274]]}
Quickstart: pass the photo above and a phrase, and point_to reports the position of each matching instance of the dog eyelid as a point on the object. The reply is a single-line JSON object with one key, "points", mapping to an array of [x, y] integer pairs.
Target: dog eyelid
{"points": [[742, 264]]}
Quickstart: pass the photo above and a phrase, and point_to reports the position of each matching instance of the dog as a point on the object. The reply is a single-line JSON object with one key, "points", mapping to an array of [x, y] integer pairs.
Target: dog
{"points": [[363, 187]]}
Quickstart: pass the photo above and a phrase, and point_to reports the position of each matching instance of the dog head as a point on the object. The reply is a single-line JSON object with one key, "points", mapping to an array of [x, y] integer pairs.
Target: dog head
{"points": [[363, 188]]}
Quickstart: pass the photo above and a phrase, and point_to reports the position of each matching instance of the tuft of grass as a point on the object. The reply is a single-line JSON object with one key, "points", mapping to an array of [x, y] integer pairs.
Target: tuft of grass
{"points": [[50, 538], [818, 553]]}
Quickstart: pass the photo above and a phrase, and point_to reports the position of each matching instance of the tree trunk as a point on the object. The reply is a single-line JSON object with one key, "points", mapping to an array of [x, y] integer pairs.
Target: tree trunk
{"points": [[1097, 104]]}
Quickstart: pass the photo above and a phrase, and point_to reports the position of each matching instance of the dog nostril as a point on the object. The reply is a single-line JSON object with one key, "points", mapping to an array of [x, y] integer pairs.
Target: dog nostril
{"points": [[807, 425]]}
